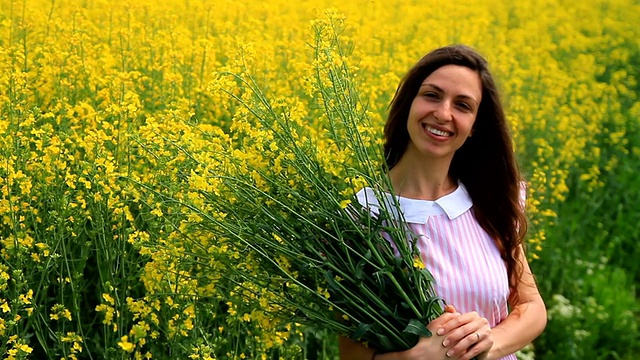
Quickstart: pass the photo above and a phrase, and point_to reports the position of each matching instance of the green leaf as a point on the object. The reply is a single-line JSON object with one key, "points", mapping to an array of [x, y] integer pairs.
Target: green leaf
{"points": [[417, 327], [384, 343], [399, 262], [359, 270], [380, 280], [331, 282], [361, 330], [427, 275]]}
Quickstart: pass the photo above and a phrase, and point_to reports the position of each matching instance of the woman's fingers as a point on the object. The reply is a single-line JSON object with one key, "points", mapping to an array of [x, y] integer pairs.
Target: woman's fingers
{"points": [[463, 320], [467, 335], [441, 320], [478, 344]]}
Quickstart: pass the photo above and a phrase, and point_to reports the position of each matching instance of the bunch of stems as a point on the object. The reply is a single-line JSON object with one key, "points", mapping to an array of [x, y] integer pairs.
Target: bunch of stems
{"points": [[328, 261]]}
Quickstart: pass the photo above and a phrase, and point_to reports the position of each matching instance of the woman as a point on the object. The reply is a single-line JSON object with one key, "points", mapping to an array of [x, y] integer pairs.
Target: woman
{"points": [[452, 166]]}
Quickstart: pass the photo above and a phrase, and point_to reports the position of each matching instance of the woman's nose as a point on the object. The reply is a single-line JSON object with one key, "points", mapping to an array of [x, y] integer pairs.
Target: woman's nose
{"points": [[443, 112]]}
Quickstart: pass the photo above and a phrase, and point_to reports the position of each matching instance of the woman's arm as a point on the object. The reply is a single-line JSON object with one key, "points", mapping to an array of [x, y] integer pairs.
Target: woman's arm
{"points": [[526, 321], [427, 349], [350, 349]]}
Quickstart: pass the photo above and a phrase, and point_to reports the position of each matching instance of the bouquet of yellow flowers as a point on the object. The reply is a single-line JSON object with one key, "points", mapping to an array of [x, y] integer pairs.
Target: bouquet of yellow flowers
{"points": [[283, 203]]}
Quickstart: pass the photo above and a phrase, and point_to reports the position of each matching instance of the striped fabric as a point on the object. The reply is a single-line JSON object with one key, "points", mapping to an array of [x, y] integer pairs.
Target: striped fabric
{"points": [[463, 259]]}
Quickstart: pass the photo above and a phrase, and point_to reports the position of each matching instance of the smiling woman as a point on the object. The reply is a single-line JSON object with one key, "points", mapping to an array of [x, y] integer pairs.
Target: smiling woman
{"points": [[460, 195]]}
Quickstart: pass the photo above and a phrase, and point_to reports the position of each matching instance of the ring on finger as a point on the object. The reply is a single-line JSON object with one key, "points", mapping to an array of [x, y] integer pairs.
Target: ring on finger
{"points": [[478, 336]]}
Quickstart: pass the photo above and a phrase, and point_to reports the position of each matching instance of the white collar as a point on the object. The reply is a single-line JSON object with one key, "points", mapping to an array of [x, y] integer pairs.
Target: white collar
{"points": [[418, 211]]}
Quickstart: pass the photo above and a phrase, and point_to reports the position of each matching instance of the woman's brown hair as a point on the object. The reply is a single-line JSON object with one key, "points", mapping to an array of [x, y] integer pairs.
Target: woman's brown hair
{"points": [[485, 163]]}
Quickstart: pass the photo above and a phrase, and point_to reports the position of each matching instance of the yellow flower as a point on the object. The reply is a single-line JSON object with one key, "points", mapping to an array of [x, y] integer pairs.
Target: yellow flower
{"points": [[157, 212], [126, 345], [345, 203], [323, 292], [5, 307], [108, 298], [58, 311], [25, 348]]}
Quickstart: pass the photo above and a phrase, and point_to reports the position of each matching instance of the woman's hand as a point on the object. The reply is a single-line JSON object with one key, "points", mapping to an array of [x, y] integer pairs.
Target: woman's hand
{"points": [[428, 347], [431, 347], [453, 337], [466, 336]]}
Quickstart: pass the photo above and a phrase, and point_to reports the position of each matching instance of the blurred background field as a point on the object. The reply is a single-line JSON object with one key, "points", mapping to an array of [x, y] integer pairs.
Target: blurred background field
{"points": [[101, 100]]}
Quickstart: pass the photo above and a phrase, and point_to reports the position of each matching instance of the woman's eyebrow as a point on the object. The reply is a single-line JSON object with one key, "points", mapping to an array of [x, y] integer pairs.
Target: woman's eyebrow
{"points": [[436, 87]]}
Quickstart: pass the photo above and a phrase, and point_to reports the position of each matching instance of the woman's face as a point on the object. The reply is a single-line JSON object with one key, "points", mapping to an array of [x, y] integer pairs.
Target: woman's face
{"points": [[443, 112]]}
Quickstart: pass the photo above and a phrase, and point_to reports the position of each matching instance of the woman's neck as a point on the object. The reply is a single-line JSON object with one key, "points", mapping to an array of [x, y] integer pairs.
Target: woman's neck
{"points": [[420, 178]]}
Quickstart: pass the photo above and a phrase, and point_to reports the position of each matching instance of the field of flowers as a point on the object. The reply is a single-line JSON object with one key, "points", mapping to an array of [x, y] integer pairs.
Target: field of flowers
{"points": [[109, 108]]}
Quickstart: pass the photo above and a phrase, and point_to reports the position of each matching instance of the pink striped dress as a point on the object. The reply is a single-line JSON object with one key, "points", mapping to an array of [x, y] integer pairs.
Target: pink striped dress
{"points": [[462, 257]]}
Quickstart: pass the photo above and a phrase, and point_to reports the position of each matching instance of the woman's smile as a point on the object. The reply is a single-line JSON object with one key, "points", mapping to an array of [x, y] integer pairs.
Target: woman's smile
{"points": [[437, 131]]}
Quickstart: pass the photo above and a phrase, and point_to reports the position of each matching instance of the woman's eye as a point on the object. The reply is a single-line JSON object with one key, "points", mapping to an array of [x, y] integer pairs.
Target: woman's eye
{"points": [[464, 106], [430, 95]]}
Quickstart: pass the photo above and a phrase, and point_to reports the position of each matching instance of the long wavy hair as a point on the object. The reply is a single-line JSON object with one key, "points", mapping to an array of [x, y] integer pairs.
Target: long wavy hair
{"points": [[485, 163]]}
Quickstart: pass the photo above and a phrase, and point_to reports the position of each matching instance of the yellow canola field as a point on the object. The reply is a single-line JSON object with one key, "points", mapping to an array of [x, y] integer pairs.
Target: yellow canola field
{"points": [[97, 97]]}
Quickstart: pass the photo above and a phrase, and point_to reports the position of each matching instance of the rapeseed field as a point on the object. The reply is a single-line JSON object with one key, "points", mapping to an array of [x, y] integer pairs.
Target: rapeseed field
{"points": [[109, 108]]}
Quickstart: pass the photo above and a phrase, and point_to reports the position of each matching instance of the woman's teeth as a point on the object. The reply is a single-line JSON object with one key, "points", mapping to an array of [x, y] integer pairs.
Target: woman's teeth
{"points": [[437, 132]]}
